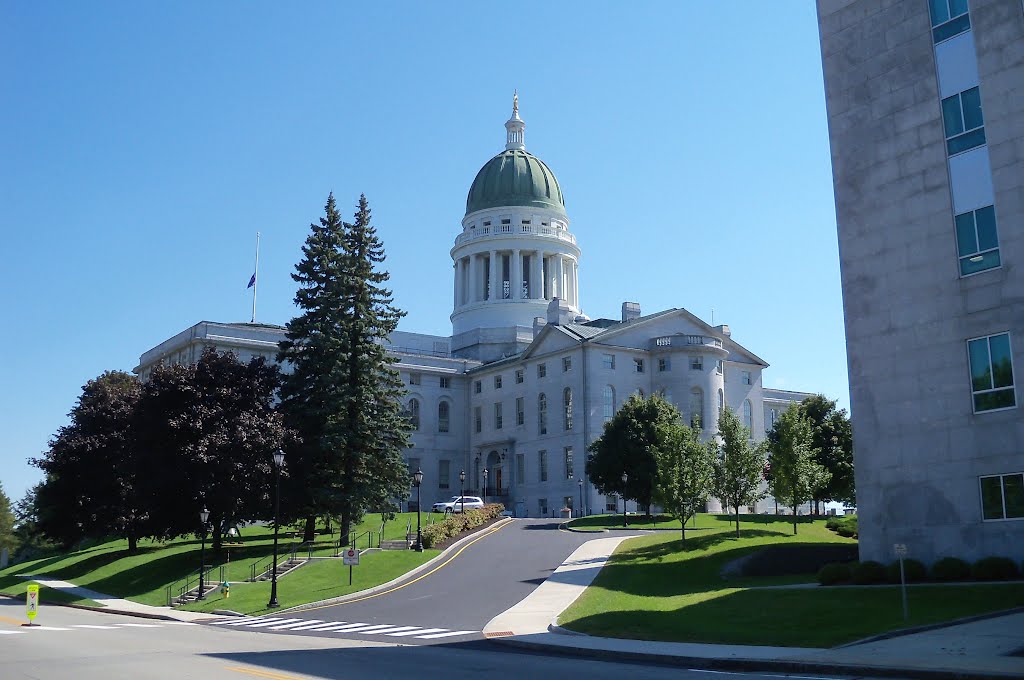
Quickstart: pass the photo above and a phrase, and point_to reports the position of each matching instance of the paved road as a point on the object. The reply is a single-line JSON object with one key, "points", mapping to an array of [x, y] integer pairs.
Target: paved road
{"points": [[82, 645], [451, 602]]}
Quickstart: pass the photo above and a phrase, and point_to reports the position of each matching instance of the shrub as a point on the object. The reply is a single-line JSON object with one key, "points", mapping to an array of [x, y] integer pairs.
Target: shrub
{"points": [[833, 573], [914, 570], [950, 569], [455, 524], [995, 569], [866, 573], [844, 526]]}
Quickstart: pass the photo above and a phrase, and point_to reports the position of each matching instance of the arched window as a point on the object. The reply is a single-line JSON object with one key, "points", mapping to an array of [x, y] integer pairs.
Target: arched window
{"points": [[608, 399], [747, 414], [443, 416], [567, 408], [697, 407], [414, 413], [542, 414]]}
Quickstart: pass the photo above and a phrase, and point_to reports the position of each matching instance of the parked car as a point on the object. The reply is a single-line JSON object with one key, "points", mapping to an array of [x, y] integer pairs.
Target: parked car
{"points": [[456, 504]]}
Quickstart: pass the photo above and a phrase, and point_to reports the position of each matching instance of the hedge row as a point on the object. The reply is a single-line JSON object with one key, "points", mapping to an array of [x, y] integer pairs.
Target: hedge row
{"points": [[455, 524], [844, 526], [946, 569]]}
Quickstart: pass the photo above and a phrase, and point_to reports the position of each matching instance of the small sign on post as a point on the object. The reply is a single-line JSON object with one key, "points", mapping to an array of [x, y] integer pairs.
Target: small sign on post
{"points": [[31, 604], [900, 549], [351, 558]]}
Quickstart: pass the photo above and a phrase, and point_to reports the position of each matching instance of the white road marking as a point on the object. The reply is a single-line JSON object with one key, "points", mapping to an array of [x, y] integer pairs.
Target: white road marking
{"points": [[360, 627], [416, 632], [265, 623], [85, 625], [11, 632], [293, 624], [388, 631], [139, 625], [236, 621], [45, 628], [434, 636], [319, 626]]}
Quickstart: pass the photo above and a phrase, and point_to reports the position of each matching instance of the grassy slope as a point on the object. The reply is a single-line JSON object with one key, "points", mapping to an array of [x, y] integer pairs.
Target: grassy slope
{"points": [[109, 569], [653, 590]]}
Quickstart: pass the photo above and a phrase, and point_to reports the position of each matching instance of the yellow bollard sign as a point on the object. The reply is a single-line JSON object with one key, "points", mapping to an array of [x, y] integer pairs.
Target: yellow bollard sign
{"points": [[32, 602]]}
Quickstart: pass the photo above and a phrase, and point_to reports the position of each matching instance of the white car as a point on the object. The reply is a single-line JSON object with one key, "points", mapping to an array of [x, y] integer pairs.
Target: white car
{"points": [[457, 503]]}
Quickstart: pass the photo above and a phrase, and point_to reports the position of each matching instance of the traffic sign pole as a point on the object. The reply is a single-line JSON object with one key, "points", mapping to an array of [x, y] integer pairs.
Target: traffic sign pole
{"points": [[31, 604]]}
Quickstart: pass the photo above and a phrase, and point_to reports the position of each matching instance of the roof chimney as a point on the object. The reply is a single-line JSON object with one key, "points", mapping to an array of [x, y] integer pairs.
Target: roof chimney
{"points": [[723, 329], [558, 312], [630, 311]]}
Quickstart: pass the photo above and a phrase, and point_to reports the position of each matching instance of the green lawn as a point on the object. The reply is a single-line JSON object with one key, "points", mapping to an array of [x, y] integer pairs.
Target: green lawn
{"points": [[109, 569], [651, 589], [702, 522]]}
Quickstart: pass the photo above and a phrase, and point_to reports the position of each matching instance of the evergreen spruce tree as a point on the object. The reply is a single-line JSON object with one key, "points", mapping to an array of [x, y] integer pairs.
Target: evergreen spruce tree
{"points": [[343, 395]]}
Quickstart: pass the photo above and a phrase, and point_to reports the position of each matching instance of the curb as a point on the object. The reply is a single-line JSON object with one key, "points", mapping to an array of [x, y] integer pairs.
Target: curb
{"points": [[788, 666], [931, 626], [395, 581]]}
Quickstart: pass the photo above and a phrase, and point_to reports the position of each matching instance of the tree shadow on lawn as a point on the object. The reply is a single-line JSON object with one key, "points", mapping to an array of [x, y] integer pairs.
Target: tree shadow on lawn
{"points": [[694, 543]]}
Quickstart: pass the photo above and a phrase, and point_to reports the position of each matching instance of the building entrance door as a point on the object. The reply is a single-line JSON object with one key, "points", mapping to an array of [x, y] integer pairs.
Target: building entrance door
{"points": [[497, 481]]}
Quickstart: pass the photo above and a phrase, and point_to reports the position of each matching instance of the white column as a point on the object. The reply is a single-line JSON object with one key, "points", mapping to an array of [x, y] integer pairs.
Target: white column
{"points": [[473, 284], [559, 291], [455, 277], [495, 283], [576, 284], [536, 277], [517, 274], [460, 282]]}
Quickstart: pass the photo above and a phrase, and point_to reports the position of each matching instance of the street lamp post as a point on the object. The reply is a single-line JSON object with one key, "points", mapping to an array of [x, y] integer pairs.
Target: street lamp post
{"points": [[462, 491], [418, 480], [625, 478], [204, 515], [580, 482], [485, 485], [278, 462]]}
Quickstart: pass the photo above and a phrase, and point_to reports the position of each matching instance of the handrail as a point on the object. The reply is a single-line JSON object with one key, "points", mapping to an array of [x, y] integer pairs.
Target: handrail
{"points": [[189, 580]]}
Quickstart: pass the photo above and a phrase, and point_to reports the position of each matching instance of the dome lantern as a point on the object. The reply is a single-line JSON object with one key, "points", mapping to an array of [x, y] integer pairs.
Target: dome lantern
{"points": [[515, 128]]}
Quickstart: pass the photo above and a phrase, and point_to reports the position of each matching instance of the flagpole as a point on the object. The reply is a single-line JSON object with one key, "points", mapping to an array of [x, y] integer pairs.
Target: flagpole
{"points": [[256, 275]]}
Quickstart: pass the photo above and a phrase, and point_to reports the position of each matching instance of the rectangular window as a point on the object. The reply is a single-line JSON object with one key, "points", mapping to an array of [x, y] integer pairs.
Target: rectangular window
{"points": [[542, 503], [720, 367], [949, 18], [414, 465], [664, 364], [414, 378], [962, 119], [445, 382], [520, 469], [611, 503], [697, 363], [976, 241], [991, 372], [497, 416], [608, 361], [444, 468], [745, 377], [478, 387], [566, 364], [519, 376], [542, 370], [478, 421], [542, 462], [520, 410], [569, 474], [1002, 496], [638, 365], [497, 382]]}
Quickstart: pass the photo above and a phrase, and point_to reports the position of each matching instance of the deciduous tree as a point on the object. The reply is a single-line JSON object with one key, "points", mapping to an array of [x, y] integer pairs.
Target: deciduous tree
{"points": [[686, 468], [739, 465], [794, 472]]}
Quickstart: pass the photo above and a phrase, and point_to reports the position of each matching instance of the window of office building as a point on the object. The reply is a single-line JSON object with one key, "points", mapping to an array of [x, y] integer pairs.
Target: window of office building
{"points": [[445, 382], [478, 387], [520, 410], [414, 378], [748, 415], [414, 413], [697, 407], [608, 361], [638, 365], [566, 364], [991, 372], [497, 416], [542, 370], [519, 376], [664, 364], [478, 421], [569, 474], [608, 402], [444, 469], [697, 363], [976, 241], [949, 18], [611, 503], [542, 414], [542, 465], [497, 382], [1002, 496], [567, 408], [746, 378], [443, 416], [963, 122]]}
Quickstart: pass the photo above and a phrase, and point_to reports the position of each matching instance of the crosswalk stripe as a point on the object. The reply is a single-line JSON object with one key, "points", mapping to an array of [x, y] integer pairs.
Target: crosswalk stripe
{"points": [[443, 635], [11, 632], [389, 630], [293, 624], [418, 631], [264, 623], [319, 626], [85, 625], [361, 627], [244, 620]]}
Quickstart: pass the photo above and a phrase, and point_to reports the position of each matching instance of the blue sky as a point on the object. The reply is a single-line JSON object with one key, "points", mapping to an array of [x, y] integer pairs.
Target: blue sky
{"points": [[142, 145]]}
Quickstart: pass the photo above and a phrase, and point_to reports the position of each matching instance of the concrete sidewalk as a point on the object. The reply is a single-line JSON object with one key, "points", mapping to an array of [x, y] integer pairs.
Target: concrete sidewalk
{"points": [[116, 605], [976, 649]]}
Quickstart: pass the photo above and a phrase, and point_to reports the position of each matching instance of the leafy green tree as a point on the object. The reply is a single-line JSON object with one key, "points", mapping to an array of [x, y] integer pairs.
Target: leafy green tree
{"points": [[739, 466], [344, 396], [794, 472], [93, 467], [8, 538], [686, 468], [628, 445], [832, 439], [210, 429]]}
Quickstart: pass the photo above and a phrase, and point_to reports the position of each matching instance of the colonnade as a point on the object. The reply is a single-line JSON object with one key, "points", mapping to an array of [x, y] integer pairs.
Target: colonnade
{"points": [[491, 276]]}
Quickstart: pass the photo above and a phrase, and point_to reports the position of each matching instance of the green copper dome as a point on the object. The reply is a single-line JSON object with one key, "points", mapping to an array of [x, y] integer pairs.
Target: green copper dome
{"points": [[515, 178]]}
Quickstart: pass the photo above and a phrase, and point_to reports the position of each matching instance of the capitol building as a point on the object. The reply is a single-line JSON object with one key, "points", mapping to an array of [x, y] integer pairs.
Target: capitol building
{"points": [[526, 381]]}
